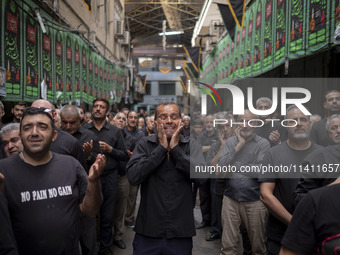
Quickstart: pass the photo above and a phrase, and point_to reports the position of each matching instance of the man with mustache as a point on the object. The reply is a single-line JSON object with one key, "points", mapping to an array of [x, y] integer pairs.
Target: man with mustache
{"points": [[318, 132], [47, 191], [276, 189], [241, 201], [10, 138], [112, 145], [322, 157], [161, 164], [132, 130]]}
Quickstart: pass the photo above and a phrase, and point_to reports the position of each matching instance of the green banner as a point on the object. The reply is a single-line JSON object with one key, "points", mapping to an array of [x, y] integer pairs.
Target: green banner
{"points": [[268, 45], [243, 52], [84, 72], [31, 64], [59, 67], [281, 17], [250, 25], [90, 70], [258, 40], [68, 67], [12, 45], [237, 52], [335, 18], [296, 29], [318, 25], [77, 69]]}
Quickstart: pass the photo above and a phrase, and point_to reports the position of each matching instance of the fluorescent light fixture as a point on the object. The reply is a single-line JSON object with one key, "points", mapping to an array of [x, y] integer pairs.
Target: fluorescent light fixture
{"points": [[172, 33]]}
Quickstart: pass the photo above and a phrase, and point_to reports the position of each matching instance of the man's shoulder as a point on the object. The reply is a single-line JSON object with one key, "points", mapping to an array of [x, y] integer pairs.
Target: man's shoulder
{"points": [[66, 137]]}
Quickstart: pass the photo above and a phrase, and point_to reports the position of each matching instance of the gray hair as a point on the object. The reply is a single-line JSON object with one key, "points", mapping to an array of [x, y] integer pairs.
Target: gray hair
{"points": [[70, 109], [9, 128], [186, 117], [330, 118], [264, 99], [294, 107]]}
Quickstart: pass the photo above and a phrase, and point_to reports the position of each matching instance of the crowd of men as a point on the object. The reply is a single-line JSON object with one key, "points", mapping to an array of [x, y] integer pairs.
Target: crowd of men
{"points": [[69, 180]]}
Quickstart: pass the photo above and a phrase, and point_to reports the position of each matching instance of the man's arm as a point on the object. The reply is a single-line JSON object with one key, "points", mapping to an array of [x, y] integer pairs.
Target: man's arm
{"points": [[272, 203], [93, 197]]}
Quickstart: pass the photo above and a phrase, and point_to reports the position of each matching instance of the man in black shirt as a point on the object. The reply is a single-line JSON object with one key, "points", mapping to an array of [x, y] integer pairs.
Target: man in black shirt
{"points": [[123, 184], [17, 111], [112, 145], [131, 129], [46, 191], [318, 132], [218, 186], [206, 139], [272, 131], [276, 189], [161, 164], [71, 123], [64, 143], [315, 226]]}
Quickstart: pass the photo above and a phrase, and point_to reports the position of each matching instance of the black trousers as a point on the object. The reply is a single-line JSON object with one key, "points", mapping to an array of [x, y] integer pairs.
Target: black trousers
{"points": [[144, 245]]}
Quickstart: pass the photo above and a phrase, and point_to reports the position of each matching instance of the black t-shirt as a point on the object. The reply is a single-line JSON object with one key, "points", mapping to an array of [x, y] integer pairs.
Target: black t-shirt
{"points": [[265, 131], [318, 133], [278, 155], [43, 203], [315, 224], [7, 240], [324, 158], [66, 144]]}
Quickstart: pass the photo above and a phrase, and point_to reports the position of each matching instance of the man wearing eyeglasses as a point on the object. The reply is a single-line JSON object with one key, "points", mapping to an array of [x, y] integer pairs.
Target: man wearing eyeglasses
{"points": [[112, 145], [161, 164], [46, 191]]}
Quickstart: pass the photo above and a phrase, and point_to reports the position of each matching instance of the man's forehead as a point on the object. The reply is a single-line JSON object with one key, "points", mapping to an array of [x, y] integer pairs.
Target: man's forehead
{"points": [[334, 120], [35, 119], [10, 134], [332, 95], [169, 108]]}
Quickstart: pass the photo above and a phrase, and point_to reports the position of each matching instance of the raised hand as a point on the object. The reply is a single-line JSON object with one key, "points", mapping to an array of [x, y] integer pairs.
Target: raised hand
{"points": [[87, 148], [161, 135], [176, 136], [97, 167]]}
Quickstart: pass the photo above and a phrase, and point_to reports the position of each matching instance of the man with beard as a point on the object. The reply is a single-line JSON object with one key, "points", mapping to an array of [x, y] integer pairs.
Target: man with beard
{"points": [[10, 138], [112, 145], [47, 191], [71, 124], [272, 131], [17, 111], [218, 186], [131, 129], [123, 184], [161, 164], [149, 129], [321, 175], [276, 189], [241, 201], [318, 132], [206, 139], [65, 143]]}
